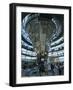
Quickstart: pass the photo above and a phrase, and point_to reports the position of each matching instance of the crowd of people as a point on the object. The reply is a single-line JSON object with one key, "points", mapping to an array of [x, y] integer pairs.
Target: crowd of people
{"points": [[42, 69], [57, 68]]}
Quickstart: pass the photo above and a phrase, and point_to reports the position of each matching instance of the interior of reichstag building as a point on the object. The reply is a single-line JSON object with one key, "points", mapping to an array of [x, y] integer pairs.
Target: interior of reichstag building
{"points": [[42, 44]]}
